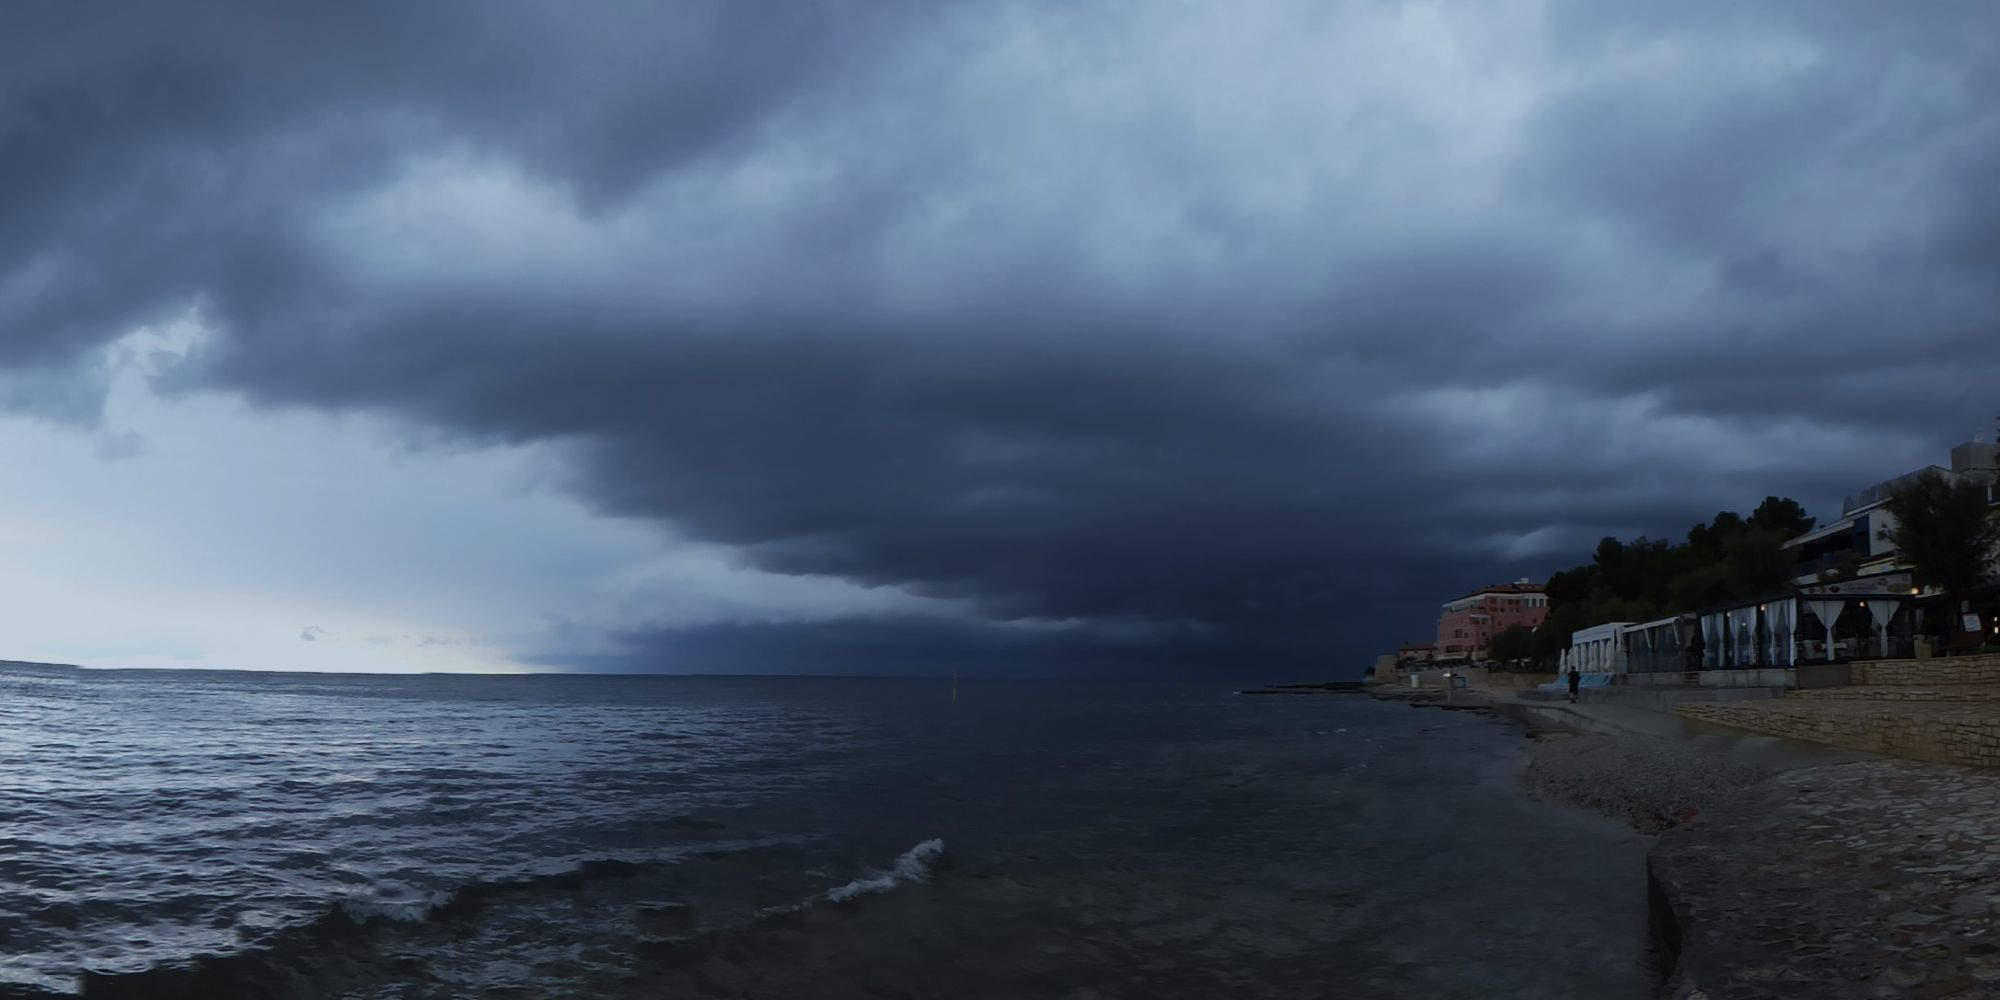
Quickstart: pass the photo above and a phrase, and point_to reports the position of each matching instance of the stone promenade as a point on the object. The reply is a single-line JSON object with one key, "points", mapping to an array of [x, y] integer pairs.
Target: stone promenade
{"points": [[1899, 722], [1947, 711], [1868, 880]]}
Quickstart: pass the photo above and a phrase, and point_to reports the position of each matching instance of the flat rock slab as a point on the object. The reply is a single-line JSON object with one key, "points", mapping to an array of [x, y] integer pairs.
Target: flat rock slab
{"points": [[1876, 880]]}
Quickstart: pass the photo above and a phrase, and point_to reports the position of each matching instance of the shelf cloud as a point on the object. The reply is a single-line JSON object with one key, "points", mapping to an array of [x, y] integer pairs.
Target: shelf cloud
{"points": [[1056, 337]]}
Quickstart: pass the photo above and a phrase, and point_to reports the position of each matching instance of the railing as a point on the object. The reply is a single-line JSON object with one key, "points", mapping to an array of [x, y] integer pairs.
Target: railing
{"points": [[1819, 564], [1895, 647]]}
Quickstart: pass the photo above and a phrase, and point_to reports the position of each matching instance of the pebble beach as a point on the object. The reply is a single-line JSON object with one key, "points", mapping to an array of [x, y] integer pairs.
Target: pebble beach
{"points": [[1652, 784], [1779, 871]]}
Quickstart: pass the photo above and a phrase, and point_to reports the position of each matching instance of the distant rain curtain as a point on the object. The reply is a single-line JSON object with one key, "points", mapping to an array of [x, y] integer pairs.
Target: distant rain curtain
{"points": [[1827, 612], [1882, 611]]}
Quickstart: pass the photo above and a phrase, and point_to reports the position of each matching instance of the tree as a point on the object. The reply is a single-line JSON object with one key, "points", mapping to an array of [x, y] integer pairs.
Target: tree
{"points": [[1515, 642], [1782, 515], [1757, 563], [1944, 529], [1610, 562], [1700, 587], [1728, 558], [1570, 586], [1707, 540]]}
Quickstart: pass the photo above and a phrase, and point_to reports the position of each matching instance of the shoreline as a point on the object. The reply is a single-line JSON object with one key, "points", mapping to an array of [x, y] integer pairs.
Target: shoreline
{"points": [[1652, 785], [1780, 870], [1612, 773]]}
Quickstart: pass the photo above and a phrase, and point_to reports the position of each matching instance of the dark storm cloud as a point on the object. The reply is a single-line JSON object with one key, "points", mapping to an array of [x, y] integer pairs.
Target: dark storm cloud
{"points": [[1138, 347]]}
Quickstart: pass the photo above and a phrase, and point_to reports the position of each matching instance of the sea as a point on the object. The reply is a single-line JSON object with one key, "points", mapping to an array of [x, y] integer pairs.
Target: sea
{"points": [[211, 834]]}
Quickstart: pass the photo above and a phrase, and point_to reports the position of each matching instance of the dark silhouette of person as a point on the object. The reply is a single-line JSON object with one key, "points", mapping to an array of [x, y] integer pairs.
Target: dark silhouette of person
{"points": [[1575, 680]]}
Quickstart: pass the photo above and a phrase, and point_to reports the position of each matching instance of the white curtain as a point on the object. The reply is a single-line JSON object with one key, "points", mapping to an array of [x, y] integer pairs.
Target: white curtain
{"points": [[1771, 635], [1711, 640], [1775, 633], [1784, 616], [1827, 612], [1882, 611]]}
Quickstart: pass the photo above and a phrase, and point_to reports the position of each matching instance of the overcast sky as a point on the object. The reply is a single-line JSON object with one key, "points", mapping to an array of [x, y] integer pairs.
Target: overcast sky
{"points": [[885, 337]]}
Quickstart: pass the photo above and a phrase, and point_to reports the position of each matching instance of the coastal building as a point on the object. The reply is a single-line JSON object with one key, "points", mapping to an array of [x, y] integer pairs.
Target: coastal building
{"points": [[1750, 634], [1599, 649], [1852, 544], [1874, 617], [1468, 624], [1854, 598], [1412, 652], [1850, 597], [1385, 669], [1664, 645]]}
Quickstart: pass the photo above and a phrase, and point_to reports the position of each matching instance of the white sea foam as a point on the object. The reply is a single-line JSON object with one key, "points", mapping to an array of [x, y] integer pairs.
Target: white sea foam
{"points": [[913, 866]]}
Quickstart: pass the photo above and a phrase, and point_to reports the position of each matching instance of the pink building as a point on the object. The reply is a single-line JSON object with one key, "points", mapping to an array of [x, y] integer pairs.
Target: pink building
{"points": [[1470, 622]]}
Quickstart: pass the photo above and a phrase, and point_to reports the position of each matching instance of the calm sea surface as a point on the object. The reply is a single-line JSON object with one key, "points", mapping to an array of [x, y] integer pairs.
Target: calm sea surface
{"points": [[206, 834]]}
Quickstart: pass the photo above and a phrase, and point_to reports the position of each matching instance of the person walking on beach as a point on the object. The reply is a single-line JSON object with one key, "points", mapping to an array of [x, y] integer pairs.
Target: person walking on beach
{"points": [[1575, 679]]}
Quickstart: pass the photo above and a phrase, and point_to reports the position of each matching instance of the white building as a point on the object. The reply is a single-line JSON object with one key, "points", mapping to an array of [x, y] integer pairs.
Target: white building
{"points": [[1599, 649], [1855, 540], [1660, 645]]}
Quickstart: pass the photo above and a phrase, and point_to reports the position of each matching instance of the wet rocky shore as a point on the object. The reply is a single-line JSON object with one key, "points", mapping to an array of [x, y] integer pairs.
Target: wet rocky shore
{"points": [[1869, 879], [1652, 784], [1863, 880]]}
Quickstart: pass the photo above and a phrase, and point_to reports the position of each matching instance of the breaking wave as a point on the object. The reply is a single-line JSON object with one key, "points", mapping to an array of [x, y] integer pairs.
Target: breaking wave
{"points": [[280, 964], [913, 866], [283, 963]]}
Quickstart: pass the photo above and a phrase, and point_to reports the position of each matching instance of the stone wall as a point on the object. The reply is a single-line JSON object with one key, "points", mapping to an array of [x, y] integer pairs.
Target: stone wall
{"points": [[1664, 699], [1487, 680], [1481, 678], [1805, 675], [1952, 670], [1822, 675], [1771, 677], [1906, 692], [1965, 733]]}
